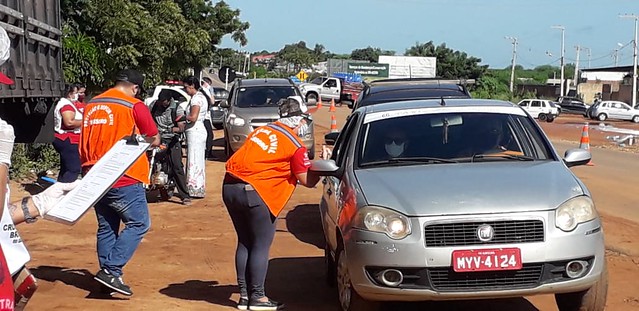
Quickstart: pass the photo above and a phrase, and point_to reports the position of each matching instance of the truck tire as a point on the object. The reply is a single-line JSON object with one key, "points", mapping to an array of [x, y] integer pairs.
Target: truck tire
{"points": [[542, 116], [549, 119], [592, 299]]}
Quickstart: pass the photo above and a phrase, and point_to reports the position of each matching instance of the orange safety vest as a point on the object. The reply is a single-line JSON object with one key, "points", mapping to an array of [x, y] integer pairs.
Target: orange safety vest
{"points": [[264, 161], [108, 118]]}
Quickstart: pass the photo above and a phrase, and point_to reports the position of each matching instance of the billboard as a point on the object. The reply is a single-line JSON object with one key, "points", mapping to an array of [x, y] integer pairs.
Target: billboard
{"points": [[368, 69], [410, 66]]}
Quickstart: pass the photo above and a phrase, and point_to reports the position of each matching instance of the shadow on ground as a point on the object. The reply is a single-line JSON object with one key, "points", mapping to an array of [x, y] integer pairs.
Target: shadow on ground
{"points": [[209, 291], [305, 224], [80, 278]]}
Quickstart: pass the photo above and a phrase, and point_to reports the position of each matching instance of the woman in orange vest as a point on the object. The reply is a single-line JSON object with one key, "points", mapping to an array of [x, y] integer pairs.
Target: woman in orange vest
{"points": [[260, 178]]}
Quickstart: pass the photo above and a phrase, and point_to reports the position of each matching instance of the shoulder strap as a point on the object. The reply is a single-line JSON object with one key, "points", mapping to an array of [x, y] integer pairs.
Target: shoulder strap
{"points": [[287, 134]]}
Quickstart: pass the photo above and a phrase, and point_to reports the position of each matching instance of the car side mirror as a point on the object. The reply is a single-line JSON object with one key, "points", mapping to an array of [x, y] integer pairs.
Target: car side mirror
{"points": [[224, 103], [324, 168], [330, 138], [576, 157]]}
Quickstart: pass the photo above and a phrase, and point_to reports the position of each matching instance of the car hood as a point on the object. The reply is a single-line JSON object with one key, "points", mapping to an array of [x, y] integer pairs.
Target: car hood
{"points": [[469, 188], [269, 112], [308, 85]]}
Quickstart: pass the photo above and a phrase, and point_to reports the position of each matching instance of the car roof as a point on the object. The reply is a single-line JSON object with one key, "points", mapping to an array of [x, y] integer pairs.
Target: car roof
{"points": [[412, 85], [265, 82], [437, 103]]}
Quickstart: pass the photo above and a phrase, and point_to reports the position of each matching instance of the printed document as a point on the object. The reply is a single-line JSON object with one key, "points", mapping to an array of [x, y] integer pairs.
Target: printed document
{"points": [[96, 182]]}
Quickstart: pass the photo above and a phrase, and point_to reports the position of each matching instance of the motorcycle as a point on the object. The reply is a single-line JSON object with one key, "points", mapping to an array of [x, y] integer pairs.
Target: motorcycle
{"points": [[162, 185]]}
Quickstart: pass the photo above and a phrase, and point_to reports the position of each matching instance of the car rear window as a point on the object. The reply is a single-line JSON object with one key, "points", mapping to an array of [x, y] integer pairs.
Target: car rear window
{"points": [[401, 95], [263, 96]]}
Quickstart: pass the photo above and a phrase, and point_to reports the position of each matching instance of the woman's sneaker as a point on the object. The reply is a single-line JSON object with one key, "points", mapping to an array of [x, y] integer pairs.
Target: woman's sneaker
{"points": [[269, 305], [243, 303], [115, 283]]}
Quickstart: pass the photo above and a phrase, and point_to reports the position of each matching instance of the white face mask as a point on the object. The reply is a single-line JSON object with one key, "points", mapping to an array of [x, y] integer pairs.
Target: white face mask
{"points": [[75, 96], [394, 150], [303, 129]]}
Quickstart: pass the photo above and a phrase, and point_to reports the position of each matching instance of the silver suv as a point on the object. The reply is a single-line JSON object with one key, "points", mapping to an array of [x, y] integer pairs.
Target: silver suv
{"points": [[457, 199], [253, 103]]}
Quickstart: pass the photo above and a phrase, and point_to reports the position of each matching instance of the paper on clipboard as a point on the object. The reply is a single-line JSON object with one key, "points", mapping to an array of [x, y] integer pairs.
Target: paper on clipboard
{"points": [[96, 182]]}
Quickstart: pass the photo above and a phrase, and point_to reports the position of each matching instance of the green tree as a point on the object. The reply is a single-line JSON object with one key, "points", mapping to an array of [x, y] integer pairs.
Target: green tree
{"points": [[450, 64], [297, 54], [370, 54], [82, 58]]}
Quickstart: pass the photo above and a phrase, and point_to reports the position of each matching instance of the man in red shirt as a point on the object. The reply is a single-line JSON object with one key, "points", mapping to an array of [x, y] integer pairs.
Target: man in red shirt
{"points": [[108, 118]]}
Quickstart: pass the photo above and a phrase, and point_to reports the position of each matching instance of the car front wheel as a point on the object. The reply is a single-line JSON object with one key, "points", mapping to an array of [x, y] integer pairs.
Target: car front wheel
{"points": [[542, 117], [602, 117], [592, 299], [635, 119], [349, 299]]}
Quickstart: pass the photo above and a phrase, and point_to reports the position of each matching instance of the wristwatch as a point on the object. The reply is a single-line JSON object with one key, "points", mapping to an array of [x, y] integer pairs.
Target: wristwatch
{"points": [[25, 210]]}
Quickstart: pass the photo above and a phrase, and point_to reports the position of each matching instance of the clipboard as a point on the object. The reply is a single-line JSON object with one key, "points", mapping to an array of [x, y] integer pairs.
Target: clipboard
{"points": [[95, 184]]}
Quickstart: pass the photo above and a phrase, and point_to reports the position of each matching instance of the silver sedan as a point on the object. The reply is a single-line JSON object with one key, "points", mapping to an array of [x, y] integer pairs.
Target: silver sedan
{"points": [[457, 199]]}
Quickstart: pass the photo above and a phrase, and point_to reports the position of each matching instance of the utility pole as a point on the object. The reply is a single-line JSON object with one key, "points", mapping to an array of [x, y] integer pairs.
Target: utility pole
{"points": [[615, 56], [512, 65], [576, 77], [588, 55], [563, 29], [634, 59]]}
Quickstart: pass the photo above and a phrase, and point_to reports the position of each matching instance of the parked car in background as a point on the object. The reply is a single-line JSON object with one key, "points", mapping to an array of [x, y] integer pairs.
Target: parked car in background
{"points": [[542, 109], [572, 105], [253, 103], [330, 88], [177, 93], [461, 199], [217, 112], [391, 90], [611, 109]]}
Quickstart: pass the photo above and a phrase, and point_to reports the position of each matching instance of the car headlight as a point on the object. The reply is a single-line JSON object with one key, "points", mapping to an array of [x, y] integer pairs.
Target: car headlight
{"points": [[393, 224], [235, 120], [574, 212]]}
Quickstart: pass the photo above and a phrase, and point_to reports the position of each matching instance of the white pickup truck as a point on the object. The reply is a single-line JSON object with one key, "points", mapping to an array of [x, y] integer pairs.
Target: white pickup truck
{"points": [[328, 88]]}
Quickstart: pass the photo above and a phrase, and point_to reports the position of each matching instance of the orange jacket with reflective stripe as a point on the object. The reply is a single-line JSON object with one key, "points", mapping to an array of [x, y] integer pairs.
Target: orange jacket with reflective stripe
{"points": [[264, 161], [108, 118]]}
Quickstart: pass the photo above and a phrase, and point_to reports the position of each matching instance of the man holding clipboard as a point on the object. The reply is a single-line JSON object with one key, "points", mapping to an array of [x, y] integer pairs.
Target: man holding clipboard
{"points": [[108, 118]]}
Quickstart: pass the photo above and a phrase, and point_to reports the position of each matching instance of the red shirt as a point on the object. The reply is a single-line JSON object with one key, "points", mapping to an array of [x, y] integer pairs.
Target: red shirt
{"points": [[6, 286], [74, 138], [146, 125], [300, 162]]}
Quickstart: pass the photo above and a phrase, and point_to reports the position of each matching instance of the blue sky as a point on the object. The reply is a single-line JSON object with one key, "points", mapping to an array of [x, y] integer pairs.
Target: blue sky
{"points": [[477, 27]]}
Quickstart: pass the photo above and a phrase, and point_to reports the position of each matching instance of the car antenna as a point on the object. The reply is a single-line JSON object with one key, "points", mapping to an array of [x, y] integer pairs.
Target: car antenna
{"points": [[442, 102]]}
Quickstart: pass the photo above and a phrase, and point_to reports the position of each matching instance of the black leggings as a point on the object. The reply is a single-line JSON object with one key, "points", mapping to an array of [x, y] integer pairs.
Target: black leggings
{"points": [[209, 137], [255, 227]]}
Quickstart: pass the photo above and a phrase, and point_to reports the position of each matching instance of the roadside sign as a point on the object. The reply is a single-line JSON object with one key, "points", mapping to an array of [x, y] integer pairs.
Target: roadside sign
{"points": [[302, 75]]}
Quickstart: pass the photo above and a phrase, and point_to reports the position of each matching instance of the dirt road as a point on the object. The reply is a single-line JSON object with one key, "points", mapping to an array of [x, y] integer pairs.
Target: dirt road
{"points": [[186, 260]]}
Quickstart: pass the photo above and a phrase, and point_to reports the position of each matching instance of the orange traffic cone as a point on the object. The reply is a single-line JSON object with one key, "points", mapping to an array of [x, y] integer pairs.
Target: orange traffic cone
{"points": [[333, 124], [584, 143], [319, 102], [332, 107]]}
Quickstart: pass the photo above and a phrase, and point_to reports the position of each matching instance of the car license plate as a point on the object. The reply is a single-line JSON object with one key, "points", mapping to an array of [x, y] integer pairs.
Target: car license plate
{"points": [[487, 259]]}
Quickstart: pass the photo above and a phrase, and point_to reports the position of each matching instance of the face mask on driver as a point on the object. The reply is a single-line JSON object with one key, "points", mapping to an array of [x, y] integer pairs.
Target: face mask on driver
{"points": [[393, 149], [303, 129]]}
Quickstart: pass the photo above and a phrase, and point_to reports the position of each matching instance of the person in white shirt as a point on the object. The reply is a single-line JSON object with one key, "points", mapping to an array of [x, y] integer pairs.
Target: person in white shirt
{"points": [[195, 138]]}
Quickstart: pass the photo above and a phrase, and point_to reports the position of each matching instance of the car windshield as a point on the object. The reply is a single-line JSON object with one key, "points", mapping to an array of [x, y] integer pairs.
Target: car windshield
{"points": [[443, 138], [263, 96]]}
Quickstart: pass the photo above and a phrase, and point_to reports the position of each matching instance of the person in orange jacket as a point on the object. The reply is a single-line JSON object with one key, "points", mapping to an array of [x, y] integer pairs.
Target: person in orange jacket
{"points": [[260, 179], [108, 118]]}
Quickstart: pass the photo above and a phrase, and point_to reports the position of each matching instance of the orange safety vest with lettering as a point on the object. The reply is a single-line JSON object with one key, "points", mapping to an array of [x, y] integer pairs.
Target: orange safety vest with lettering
{"points": [[108, 118], [264, 161]]}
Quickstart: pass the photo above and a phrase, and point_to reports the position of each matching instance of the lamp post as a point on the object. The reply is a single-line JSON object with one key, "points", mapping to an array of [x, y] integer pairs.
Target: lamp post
{"points": [[563, 29], [512, 69], [589, 55], [634, 59]]}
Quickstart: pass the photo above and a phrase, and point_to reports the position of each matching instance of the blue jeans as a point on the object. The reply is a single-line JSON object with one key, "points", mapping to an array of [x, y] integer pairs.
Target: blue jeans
{"points": [[115, 247]]}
